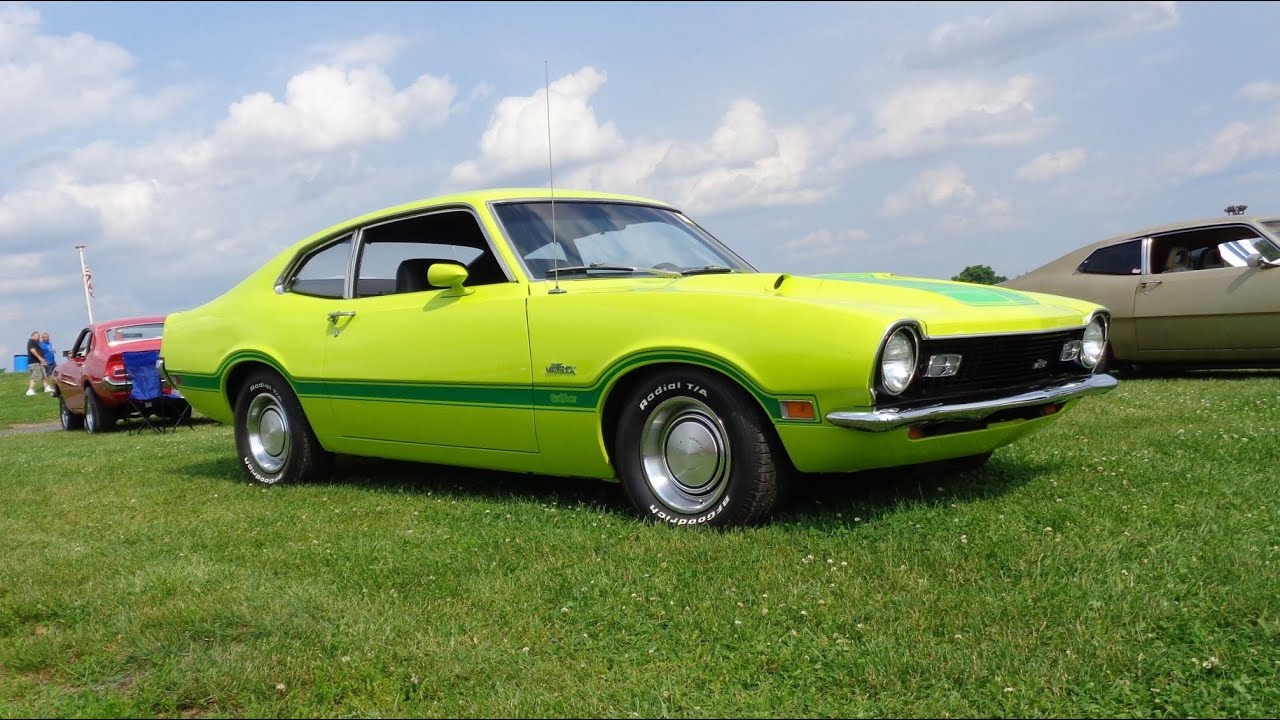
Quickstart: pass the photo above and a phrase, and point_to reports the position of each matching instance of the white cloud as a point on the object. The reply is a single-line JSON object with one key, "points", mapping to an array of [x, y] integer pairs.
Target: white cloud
{"points": [[995, 207], [1020, 29], [1222, 151], [183, 197], [53, 82], [913, 239], [824, 244], [125, 208], [1052, 164], [745, 161], [372, 49], [934, 116], [516, 138], [1260, 91], [327, 108], [995, 213], [943, 186]]}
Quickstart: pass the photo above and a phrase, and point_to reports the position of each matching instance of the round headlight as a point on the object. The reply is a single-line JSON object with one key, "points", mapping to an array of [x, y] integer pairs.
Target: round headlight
{"points": [[1094, 342], [898, 361]]}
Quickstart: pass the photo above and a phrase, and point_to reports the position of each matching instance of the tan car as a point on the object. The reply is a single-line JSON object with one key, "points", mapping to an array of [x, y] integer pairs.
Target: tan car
{"points": [[1202, 292]]}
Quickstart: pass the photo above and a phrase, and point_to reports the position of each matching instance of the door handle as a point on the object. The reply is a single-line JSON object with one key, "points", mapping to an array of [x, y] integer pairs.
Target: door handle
{"points": [[337, 315], [1148, 284]]}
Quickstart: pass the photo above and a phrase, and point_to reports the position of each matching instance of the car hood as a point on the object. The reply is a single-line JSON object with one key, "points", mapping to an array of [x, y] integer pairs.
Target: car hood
{"points": [[942, 307]]}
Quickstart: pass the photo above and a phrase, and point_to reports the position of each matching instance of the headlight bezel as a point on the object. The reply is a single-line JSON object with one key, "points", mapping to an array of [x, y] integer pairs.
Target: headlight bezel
{"points": [[1103, 322], [912, 334]]}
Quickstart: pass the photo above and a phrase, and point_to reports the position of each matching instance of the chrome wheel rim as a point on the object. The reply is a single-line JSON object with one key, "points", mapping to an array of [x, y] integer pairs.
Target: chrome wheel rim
{"points": [[64, 415], [268, 430], [684, 451], [90, 415]]}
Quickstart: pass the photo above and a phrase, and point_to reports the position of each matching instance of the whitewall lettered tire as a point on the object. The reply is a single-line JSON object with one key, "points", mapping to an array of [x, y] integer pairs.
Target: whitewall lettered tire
{"points": [[692, 448], [97, 417], [273, 437], [68, 419]]}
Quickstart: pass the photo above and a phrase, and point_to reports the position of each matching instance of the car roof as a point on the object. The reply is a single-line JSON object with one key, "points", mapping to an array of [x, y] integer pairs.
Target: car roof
{"points": [[480, 197], [118, 322], [1219, 220], [477, 197]]}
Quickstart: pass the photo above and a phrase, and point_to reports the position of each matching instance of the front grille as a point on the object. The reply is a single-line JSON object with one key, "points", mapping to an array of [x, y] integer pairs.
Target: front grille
{"points": [[994, 363]]}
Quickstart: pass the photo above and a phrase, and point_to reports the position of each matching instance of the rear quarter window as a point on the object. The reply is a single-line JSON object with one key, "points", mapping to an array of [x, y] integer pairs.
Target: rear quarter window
{"points": [[1122, 259]]}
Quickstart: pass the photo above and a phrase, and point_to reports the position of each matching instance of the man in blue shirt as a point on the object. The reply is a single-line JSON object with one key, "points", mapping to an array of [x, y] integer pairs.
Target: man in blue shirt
{"points": [[46, 349]]}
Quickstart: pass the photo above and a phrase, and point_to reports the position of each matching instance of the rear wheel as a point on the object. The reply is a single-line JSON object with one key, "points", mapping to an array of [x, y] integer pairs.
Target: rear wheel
{"points": [[694, 449], [97, 417], [68, 419], [274, 438]]}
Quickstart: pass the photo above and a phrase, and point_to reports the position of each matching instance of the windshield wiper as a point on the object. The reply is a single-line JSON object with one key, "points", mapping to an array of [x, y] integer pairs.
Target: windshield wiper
{"points": [[613, 268], [708, 270]]}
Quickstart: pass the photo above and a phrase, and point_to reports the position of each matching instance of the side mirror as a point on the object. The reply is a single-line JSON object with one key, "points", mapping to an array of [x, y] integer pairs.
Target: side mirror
{"points": [[66, 353], [1256, 260], [450, 276]]}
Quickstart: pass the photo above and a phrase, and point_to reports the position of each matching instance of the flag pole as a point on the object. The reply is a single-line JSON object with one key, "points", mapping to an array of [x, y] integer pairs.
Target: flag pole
{"points": [[84, 280]]}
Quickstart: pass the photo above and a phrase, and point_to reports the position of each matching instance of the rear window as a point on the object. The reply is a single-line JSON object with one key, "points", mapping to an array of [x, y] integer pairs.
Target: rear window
{"points": [[1122, 259], [134, 333]]}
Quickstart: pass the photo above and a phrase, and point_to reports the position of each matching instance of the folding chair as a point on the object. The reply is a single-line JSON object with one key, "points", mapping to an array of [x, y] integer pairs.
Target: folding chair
{"points": [[148, 394], [145, 394]]}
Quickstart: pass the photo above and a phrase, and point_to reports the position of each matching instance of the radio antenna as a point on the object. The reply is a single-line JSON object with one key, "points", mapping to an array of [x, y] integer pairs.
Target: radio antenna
{"points": [[551, 172]]}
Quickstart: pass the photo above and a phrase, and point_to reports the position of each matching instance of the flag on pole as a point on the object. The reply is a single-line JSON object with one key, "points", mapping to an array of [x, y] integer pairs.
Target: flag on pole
{"points": [[88, 280]]}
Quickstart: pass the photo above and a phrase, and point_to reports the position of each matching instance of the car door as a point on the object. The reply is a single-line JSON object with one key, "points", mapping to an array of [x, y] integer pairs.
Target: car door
{"points": [[411, 363], [68, 375], [1190, 308], [1108, 276]]}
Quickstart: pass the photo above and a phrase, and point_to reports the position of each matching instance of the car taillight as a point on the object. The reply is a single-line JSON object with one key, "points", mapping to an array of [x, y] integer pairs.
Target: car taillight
{"points": [[115, 369]]}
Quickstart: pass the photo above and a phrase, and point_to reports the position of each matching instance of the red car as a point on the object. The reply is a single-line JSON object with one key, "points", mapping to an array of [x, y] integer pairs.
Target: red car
{"points": [[92, 386]]}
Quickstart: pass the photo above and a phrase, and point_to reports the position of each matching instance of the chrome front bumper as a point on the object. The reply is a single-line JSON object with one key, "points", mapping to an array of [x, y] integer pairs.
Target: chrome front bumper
{"points": [[891, 419]]}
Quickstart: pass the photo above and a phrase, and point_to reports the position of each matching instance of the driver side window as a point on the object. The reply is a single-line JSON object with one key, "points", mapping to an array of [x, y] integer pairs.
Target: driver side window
{"points": [[1208, 248], [81, 348], [395, 255]]}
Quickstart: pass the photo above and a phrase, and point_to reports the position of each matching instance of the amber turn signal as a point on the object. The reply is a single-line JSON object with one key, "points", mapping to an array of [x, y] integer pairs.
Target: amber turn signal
{"points": [[797, 410]]}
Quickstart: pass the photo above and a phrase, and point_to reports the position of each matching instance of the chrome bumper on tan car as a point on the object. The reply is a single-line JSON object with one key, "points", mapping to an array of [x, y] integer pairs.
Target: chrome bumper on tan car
{"points": [[891, 419]]}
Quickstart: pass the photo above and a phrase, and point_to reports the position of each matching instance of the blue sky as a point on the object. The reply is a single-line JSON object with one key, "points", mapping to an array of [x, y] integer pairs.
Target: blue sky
{"points": [[186, 143]]}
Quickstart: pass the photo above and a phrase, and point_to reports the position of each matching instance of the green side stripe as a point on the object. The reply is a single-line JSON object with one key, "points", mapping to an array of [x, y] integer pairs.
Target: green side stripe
{"points": [[579, 398]]}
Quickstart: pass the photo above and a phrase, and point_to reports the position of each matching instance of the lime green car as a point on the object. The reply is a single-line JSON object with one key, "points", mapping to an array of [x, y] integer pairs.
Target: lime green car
{"points": [[608, 336]]}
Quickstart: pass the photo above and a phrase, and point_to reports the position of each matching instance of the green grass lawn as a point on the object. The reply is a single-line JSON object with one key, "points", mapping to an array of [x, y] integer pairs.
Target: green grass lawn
{"points": [[18, 409], [1124, 562]]}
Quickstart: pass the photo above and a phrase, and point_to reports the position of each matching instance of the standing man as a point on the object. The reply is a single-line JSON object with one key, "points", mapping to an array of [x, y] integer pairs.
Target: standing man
{"points": [[35, 363], [46, 347]]}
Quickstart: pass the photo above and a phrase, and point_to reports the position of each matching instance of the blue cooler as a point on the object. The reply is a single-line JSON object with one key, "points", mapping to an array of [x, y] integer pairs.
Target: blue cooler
{"points": [[20, 362]]}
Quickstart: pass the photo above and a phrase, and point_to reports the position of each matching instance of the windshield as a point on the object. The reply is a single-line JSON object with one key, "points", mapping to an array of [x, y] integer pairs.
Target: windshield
{"points": [[1269, 250], [609, 239]]}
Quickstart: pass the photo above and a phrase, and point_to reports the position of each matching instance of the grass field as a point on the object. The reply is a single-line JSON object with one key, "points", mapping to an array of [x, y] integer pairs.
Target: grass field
{"points": [[1124, 562], [17, 408]]}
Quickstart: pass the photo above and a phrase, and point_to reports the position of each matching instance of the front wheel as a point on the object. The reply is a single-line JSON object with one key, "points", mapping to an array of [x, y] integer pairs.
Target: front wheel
{"points": [[274, 438], [694, 449], [68, 419]]}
